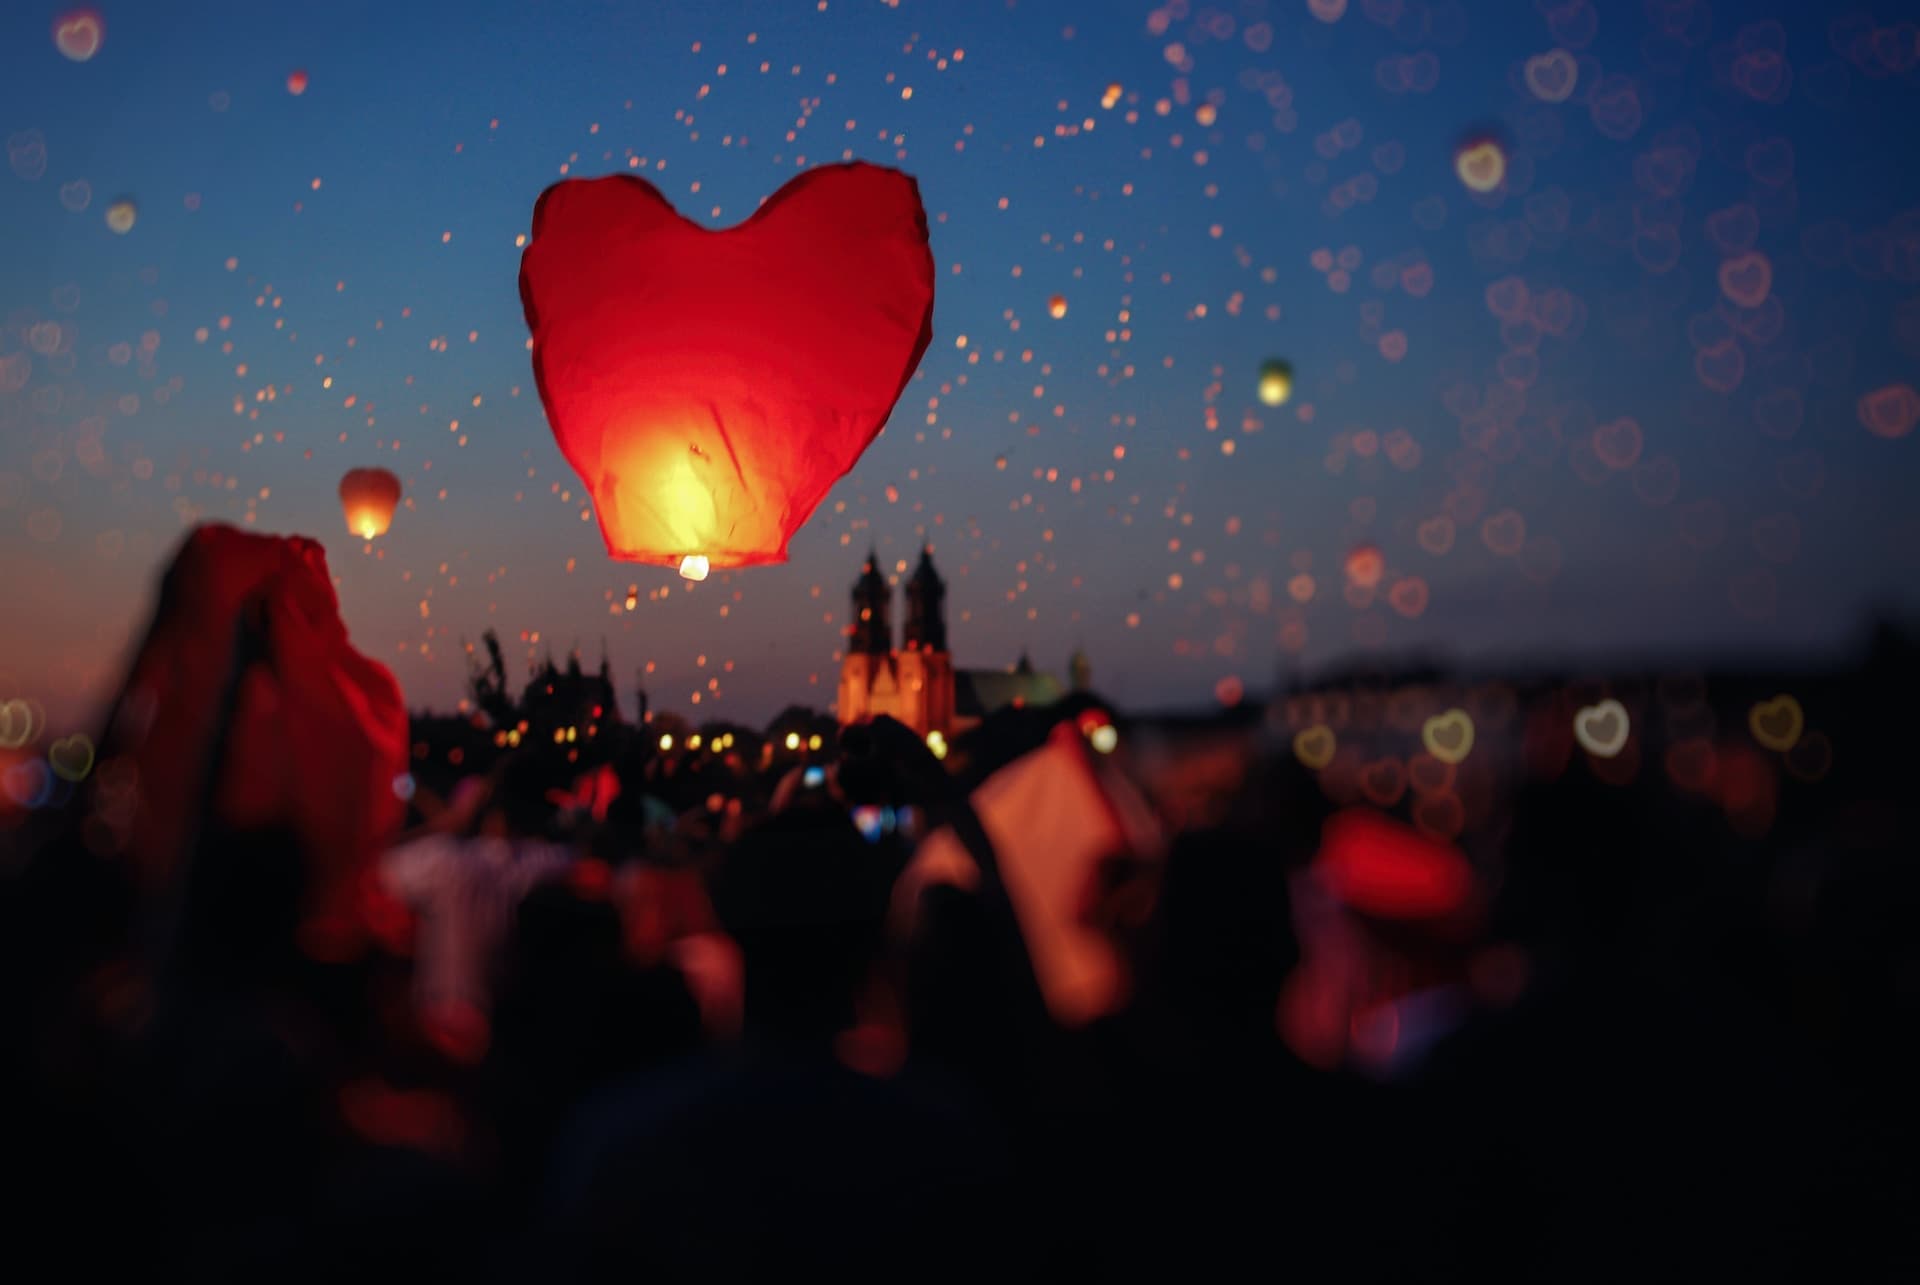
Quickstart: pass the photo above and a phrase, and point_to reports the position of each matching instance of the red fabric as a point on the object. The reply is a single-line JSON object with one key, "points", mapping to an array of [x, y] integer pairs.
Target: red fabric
{"points": [[710, 386], [318, 732], [1379, 867]]}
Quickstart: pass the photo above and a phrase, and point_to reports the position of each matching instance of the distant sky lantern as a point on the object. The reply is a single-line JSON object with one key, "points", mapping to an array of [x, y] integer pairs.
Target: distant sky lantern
{"points": [[1365, 566], [79, 33], [121, 215], [1481, 163], [1057, 306], [709, 387], [1276, 382], [297, 82], [368, 497]]}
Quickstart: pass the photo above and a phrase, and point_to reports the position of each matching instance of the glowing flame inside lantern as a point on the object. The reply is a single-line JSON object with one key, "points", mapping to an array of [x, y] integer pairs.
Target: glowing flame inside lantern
{"points": [[694, 567]]}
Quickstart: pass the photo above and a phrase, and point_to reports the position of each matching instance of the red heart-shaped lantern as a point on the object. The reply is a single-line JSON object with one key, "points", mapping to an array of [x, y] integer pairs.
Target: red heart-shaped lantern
{"points": [[710, 386]]}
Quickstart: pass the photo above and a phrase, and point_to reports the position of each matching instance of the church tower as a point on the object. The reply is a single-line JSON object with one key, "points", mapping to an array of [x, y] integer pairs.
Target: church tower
{"points": [[926, 628], [872, 630], [913, 683]]}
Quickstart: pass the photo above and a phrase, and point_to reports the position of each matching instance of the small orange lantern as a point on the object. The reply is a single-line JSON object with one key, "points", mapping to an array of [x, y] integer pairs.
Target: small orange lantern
{"points": [[1365, 566], [368, 497], [709, 387]]}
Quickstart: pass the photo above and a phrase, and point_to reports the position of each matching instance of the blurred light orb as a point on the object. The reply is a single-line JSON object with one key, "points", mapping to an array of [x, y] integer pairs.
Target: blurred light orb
{"points": [[1276, 382], [1105, 738], [937, 743], [1365, 566], [1776, 724], [694, 566], [17, 724], [71, 757], [1448, 736], [1552, 75], [79, 33], [1481, 164], [1057, 306], [30, 783], [121, 215], [1602, 729], [297, 82], [368, 497], [1314, 746]]}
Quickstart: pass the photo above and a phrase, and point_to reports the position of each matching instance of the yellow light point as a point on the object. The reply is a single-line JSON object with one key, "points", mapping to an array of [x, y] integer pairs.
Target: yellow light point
{"points": [[1105, 737], [793, 740], [666, 741], [1276, 383], [937, 742], [814, 742], [693, 742], [1482, 166], [1448, 736], [694, 566]]}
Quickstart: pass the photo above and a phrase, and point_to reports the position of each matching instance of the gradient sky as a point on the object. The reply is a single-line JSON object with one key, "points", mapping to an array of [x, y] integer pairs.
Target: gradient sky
{"points": [[1275, 180]]}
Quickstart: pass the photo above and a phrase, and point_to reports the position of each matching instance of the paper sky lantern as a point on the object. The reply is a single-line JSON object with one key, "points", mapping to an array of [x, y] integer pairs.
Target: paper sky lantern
{"points": [[1481, 163], [1057, 306], [121, 215], [297, 83], [710, 386], [368, 497], [1276, 382], [1365, 566]]}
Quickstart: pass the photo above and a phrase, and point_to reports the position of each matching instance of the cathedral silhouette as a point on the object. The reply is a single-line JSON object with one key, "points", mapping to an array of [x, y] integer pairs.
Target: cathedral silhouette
{"points": [[916, 681]]}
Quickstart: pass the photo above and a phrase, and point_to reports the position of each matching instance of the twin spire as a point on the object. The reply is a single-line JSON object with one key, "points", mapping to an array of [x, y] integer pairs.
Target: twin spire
{"points": [[926, 623]]}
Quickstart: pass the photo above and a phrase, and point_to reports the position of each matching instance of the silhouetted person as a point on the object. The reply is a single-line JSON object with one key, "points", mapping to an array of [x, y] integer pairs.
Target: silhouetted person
{"points": [[775, 1156]]}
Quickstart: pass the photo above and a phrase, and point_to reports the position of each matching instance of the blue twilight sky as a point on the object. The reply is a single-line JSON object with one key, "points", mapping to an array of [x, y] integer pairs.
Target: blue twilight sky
{"points": [[1709, 226]]}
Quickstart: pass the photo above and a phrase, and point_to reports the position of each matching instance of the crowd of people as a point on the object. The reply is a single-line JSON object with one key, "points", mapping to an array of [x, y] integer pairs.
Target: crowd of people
{"points": [[586, 1042]]}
